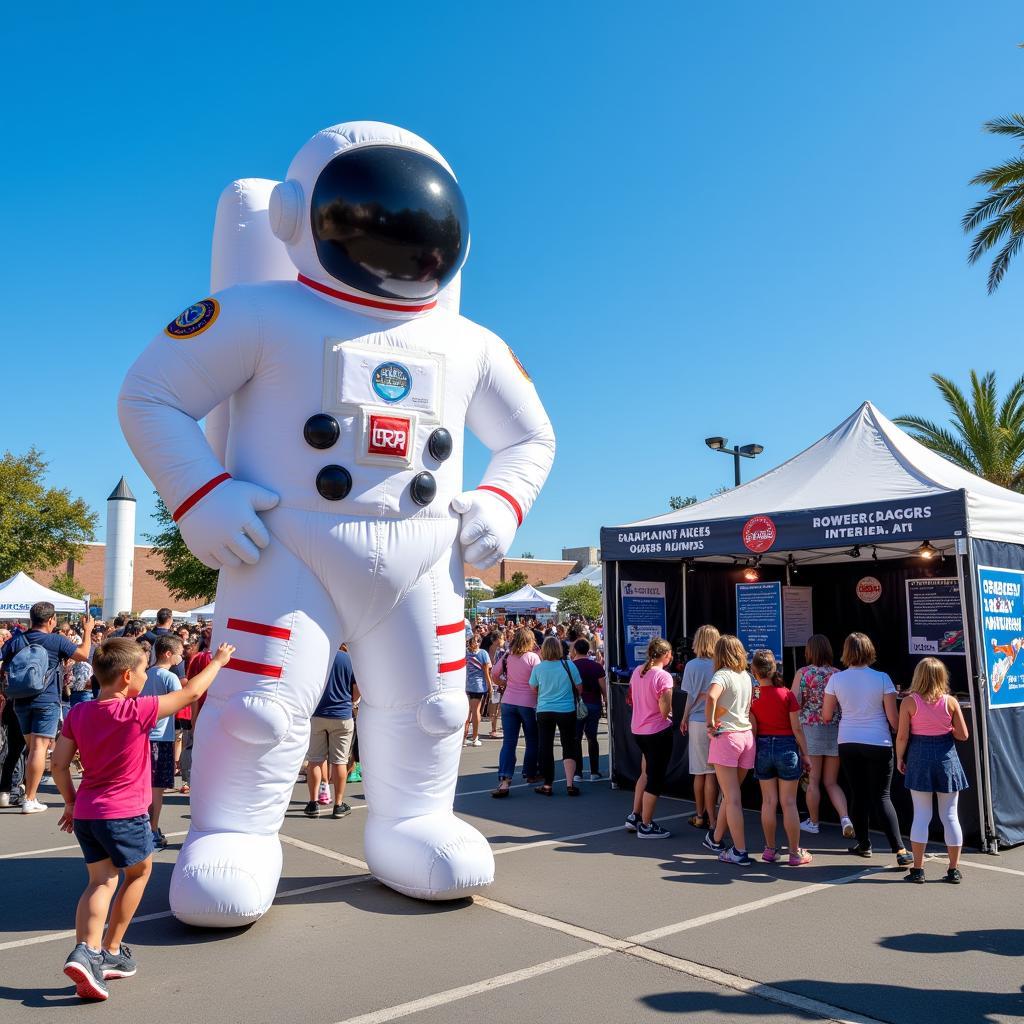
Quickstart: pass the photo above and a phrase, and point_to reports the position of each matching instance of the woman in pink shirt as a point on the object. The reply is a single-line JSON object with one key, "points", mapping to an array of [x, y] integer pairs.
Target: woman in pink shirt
{"points": [[518, 709], [650, 690]]}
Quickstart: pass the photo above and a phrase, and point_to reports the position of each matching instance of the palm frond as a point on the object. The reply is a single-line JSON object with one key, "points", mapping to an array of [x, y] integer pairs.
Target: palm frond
{"points": [[1012, 124], [989, 237], [939, 440], [994, 203], [1007, 173], [1000, 264]]}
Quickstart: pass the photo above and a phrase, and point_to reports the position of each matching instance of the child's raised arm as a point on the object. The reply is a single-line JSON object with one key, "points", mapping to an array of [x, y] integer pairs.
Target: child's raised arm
{"points": [[172, 703]]}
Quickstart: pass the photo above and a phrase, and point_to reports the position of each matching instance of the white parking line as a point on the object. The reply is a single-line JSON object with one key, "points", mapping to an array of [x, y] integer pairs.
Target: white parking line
{"points": [[73, 846], [478, 988], [55, 936]]}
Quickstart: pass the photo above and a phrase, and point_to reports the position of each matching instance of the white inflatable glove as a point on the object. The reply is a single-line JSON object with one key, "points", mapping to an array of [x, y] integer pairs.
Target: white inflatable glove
{"points": [[488, 527], [223, 530]]}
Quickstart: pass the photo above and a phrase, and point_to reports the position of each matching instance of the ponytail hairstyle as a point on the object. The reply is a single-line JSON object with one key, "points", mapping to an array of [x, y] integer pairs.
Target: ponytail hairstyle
{"points": [[764, 665], [656, 650]]}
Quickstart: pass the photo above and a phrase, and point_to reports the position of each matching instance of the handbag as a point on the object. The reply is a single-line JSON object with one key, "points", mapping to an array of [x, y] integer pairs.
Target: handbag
{"points": [[581, 708]]}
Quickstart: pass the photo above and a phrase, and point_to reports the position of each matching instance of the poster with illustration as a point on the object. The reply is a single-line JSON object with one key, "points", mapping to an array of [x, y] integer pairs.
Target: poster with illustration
{"points": [[1002, 632]]}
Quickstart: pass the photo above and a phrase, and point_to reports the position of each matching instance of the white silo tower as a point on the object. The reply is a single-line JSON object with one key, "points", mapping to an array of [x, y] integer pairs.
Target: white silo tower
{"points": [[119, 570]]}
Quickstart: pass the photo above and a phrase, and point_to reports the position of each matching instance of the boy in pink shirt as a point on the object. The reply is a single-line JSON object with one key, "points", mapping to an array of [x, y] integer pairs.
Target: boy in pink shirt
{"points": [[108, 814]]}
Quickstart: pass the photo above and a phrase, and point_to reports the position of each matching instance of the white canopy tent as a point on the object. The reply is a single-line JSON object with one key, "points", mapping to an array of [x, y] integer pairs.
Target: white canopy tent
{"points": [[475, 583], [20, 592], [589, 574], [203, 612], [525, 599], [150, 614], [835, 488]]}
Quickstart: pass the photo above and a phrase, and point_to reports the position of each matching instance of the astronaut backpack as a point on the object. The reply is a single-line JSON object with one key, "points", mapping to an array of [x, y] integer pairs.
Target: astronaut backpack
{"points": [[28, 672]]}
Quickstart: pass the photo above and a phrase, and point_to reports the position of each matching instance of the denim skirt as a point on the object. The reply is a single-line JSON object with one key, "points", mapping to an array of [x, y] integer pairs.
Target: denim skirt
{"points": [[933, 765], [822, 740]]}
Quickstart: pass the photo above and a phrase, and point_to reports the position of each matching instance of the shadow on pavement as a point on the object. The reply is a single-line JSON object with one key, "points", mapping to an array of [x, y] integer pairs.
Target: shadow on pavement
{"points": [[906, 1004], [1000, 941]]}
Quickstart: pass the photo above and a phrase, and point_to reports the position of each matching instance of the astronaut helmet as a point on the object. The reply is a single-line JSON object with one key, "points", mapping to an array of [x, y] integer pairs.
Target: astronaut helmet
{"points": [[374, 211]]}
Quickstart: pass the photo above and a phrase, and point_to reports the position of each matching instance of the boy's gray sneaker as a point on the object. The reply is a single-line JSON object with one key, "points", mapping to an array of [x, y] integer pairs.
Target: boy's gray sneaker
{"points": [[85, 969], [341, 810], [119, 965]]}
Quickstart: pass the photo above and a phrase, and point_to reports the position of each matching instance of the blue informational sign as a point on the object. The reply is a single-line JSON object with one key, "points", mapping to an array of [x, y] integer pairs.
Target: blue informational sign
{"points": [[1002, 634], [759, 617], [643, 618], [935, 622]]}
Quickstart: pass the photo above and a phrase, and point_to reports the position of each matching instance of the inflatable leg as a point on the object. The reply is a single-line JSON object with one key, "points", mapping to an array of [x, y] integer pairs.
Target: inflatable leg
{"points": [[411, 672], [251, 737]]}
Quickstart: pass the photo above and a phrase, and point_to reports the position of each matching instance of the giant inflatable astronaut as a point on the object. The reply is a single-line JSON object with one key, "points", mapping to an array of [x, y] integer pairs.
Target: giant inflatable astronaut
{"points": [[334, 508]]}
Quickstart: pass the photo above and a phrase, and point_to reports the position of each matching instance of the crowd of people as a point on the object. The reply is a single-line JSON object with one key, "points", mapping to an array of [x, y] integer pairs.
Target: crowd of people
{"points": [[118, 708], [741, 715]]}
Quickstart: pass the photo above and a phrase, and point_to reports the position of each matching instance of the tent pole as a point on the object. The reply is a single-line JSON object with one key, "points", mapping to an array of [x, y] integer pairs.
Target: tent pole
{"points": [[979, 698], [974, 695], [609, 588], [686, 625]]}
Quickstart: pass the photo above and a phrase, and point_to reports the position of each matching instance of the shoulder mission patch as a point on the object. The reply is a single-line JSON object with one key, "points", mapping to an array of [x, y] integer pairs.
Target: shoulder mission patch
{"points": [[515, 359], [194, 320]]}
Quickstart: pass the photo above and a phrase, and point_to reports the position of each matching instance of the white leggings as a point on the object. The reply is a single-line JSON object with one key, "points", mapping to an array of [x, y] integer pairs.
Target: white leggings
{"points": [[947, 813]]}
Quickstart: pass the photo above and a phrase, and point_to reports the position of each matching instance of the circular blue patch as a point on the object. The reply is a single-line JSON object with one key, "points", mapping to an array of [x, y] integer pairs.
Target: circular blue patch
{"points": [[391, 382], [193, 320]]}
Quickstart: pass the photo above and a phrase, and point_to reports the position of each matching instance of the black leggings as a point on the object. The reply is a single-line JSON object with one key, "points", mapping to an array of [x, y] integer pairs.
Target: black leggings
{"points": [[15, 746], [868, 771], [657, 749], [547, 723]]}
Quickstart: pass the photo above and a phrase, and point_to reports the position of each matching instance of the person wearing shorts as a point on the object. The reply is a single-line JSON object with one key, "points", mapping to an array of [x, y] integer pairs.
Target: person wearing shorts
{"points": [[478, 682], [332, 730], [731, 746], [696, 680], [780, 757], [160, 680]]}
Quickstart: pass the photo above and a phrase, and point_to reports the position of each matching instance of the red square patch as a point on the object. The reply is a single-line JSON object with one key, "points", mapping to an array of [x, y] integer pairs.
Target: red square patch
{"points": [[388, 435]]}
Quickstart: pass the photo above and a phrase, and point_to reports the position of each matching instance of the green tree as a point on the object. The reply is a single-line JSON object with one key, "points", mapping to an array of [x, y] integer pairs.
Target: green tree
{"points": [[527, 554], [511, 585], [985, 436], [183, 574], [67, 585], [40, 526], [998, 219], [580, 599], [677, 501]]}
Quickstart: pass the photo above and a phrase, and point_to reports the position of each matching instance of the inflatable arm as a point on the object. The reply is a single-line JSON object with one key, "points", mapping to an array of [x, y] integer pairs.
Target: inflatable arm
{"points": [[506, 414]]}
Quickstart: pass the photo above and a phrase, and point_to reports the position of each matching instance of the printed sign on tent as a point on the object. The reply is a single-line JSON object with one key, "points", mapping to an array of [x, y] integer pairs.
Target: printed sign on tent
{"points": [[1002, 630], [759, 616], [797, 615], [934, 617], [643, 618]]}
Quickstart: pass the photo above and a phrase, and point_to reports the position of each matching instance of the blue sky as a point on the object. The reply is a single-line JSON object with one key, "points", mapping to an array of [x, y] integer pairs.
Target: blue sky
{"points": [[687, 219]]}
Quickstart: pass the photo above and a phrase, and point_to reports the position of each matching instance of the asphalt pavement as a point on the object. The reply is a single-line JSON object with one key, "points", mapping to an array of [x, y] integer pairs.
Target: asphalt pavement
{"points": [[584, 923]]}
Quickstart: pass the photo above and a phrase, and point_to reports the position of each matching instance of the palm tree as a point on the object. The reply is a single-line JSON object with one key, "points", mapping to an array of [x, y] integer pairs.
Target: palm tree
{"points": [[1002, 208], [985, 437]]}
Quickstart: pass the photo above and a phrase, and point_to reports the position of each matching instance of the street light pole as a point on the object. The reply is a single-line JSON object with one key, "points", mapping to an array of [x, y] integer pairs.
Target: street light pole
{"points": [[746, 451]]}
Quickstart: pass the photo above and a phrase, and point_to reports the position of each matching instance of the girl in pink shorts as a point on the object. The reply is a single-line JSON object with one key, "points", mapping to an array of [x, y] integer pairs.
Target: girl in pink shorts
{"points": [[731, 746]]}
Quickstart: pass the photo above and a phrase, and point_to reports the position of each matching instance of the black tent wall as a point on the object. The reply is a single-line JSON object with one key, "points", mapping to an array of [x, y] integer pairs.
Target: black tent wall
{"points": [[1005, 725]]}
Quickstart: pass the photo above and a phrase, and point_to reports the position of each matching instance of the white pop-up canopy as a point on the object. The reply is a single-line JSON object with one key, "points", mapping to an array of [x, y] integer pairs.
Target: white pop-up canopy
{"points": [[203, 612], [525, 599], [20, 592], [862, 483], [590, 574]]}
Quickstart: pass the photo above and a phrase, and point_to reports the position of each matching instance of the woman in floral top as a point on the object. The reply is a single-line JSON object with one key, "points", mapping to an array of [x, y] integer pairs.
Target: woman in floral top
{"points": [[822, 739]]}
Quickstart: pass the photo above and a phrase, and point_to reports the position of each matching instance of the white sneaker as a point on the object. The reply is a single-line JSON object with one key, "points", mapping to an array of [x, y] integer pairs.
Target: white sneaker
{"points": [[5, 799], [476, 743], [848, 830], [32, 807], [810, 826]]}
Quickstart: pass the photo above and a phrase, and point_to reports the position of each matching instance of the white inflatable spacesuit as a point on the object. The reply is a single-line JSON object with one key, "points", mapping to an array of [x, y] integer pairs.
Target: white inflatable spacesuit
{"points": [[333, 505]]}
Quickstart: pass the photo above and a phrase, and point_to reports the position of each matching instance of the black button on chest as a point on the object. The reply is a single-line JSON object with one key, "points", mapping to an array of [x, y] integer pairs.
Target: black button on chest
{"points": [[423, 488], [440, 444], [334, 482], [321, 430]]}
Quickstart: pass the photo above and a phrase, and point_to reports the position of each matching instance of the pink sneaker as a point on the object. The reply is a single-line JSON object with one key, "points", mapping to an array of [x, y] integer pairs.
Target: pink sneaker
{"points": [[769, 856], [799, 857], [324, 796]]}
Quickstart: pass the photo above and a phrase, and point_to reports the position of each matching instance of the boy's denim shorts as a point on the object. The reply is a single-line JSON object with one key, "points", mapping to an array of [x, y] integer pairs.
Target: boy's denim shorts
{"points": [[126, 841], [778, 757]]}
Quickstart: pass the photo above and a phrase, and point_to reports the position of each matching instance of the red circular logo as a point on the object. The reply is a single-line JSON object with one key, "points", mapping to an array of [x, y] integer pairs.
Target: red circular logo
{"points": [[759, 534]]}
